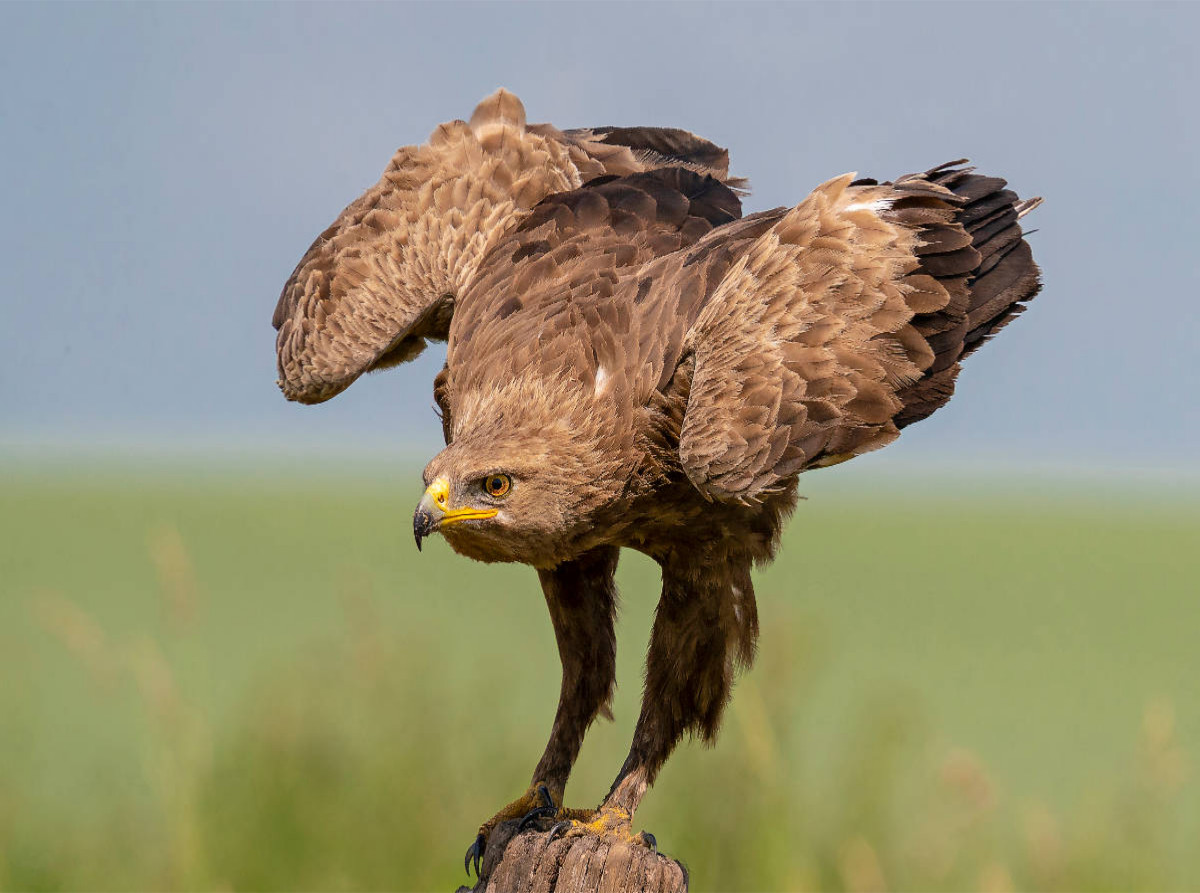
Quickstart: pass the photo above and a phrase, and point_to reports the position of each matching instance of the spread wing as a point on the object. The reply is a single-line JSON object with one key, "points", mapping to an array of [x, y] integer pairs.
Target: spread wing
{"points": [[383, 279], [846, 321]]}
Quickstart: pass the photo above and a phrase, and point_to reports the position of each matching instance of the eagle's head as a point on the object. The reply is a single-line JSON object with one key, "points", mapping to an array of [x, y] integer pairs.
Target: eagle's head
{"points": [[530, 464]]}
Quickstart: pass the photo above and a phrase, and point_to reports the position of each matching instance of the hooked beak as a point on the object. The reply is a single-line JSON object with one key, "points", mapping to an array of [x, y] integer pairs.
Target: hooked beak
{"points": [[425, 521], [433, 511]]}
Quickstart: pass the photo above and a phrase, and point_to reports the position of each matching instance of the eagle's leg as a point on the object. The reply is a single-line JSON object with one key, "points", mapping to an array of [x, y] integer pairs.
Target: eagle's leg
{"points": [[582, 598], [705, 627]]}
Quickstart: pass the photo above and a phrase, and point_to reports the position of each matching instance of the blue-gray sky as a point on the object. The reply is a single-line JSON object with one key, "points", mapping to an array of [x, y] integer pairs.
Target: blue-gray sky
{"points": [[165, 166]]}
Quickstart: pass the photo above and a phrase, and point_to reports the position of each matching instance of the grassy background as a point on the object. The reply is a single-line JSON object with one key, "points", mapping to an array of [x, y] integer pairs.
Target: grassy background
{"points": [[217, 680]]}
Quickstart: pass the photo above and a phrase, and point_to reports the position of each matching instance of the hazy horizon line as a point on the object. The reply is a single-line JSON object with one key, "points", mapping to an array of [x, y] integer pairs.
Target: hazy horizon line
{"points": [[374, 457]]}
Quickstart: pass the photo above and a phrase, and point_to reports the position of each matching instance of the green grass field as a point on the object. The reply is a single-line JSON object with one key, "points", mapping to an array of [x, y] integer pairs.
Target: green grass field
{"points": [[217, 682]]}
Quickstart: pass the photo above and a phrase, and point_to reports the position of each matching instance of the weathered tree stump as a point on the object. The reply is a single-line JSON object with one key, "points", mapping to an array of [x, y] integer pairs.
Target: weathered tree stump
{"points": [[531, 862]]}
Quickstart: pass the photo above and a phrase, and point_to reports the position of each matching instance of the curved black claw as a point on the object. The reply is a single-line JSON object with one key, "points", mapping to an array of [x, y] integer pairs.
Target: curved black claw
{"points": [[651, 841], [547, 810], [475, 851], [558, 828], [531, 817]]}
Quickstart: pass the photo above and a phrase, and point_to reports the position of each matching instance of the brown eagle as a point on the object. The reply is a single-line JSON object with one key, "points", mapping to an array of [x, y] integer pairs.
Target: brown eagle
{"points": [[632, 363]]}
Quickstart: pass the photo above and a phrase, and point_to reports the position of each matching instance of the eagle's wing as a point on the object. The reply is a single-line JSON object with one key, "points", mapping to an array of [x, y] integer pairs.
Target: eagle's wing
{"points": [[657, 147], [846, 321], [383, 279]]}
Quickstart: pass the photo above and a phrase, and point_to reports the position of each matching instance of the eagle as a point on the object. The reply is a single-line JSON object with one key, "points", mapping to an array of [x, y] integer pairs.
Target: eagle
{"points": [[633, 363]]}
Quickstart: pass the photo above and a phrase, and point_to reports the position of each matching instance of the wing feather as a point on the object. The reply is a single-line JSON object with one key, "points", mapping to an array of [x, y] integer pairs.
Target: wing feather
{"points": [[846, 321]]}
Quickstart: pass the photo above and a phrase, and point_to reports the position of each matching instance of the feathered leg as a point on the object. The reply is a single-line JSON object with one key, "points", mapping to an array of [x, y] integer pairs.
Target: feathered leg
{"points": [[705, 628], [582, 598]]}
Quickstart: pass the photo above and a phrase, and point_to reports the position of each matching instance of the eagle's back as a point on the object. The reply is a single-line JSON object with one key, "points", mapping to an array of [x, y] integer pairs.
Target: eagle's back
{"points": [[560, 296]]}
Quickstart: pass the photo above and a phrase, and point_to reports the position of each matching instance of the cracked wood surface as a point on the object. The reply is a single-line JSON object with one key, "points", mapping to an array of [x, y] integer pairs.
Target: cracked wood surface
{"points": [[531, 863]]}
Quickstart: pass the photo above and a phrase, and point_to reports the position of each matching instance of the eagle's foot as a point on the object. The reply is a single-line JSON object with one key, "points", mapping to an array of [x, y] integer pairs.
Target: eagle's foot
{"points": [[546, 810], [536, 803], [609, 822]]}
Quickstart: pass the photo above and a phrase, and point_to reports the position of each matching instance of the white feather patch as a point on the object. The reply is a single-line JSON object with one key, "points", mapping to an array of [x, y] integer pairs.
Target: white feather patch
{"points": [[880, 204]]}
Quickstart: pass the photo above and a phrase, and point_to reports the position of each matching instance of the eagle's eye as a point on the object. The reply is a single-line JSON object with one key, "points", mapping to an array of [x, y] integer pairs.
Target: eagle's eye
{"points": [[497, 485]]}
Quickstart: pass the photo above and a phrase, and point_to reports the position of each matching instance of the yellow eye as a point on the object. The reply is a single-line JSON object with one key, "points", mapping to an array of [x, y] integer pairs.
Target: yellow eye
{"points": [[497, 484]]}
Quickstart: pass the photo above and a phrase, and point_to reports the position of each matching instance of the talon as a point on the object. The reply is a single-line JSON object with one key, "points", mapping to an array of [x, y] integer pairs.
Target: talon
{"points": [[534, 814], [558, 828], [475, 850], [547, 810]]}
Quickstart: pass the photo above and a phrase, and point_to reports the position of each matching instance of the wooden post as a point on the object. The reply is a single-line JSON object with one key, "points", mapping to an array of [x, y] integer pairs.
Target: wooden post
{"points": [[532, 863]]}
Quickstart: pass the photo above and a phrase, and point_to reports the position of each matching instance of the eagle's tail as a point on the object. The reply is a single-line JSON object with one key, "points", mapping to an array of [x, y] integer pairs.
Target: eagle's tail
{"points": [[983, 261]]}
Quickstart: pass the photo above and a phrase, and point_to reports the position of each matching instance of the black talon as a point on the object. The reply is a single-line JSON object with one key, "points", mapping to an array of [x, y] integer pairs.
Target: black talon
{"points": [[558, 828], [534, 814], [476, 850], [538, 812], [651, 841]]}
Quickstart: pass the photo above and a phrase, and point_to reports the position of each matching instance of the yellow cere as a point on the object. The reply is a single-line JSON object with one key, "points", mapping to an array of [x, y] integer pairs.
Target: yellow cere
{"points": [[439, 491]]}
